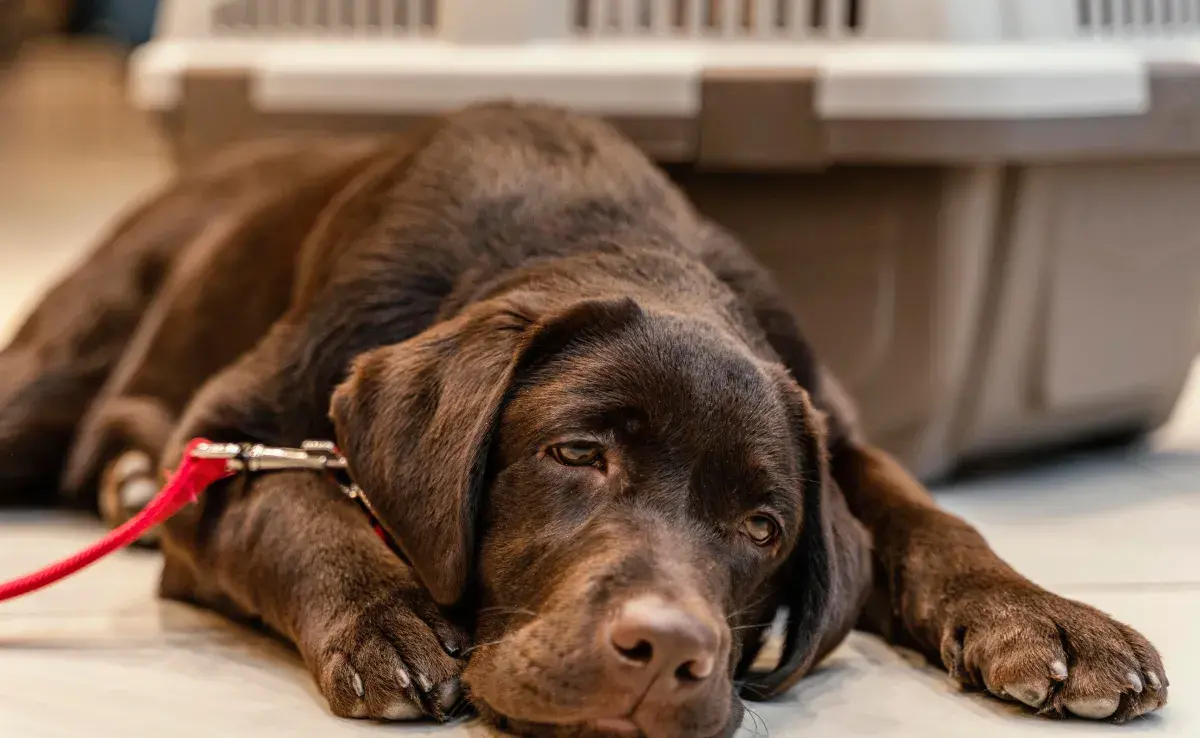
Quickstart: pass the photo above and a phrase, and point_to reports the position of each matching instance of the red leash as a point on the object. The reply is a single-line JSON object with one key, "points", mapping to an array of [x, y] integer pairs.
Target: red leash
{"points": [[193, 476], [203, 464]]}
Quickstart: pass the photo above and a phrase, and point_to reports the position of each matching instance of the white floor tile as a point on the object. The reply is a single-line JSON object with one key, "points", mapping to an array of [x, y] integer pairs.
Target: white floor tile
{"points": [[121, 584], [1127, 516]]}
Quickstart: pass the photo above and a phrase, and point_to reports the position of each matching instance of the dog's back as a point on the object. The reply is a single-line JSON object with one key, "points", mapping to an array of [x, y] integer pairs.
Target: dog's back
{"points": [[493, 187], [205, 251], [196, 276], [467, 204]]}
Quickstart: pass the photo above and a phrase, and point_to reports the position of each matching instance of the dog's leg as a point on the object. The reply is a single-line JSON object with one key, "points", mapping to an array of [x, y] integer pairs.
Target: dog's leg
{"points": [[230, 284], [65, 351], [291, 550], [223, 294], [941, 589]]}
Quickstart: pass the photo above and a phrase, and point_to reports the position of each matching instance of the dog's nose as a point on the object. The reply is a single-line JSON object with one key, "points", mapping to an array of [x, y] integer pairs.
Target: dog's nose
{"points": [[659, 639]]}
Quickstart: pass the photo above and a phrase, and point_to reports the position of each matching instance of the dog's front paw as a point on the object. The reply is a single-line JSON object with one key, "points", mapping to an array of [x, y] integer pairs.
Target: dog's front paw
{"points": [[1024, 644], [386, 662]]}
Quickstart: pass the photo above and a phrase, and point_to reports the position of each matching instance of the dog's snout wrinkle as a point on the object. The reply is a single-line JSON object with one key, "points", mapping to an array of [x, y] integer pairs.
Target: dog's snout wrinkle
{"points": [[651, 639]]}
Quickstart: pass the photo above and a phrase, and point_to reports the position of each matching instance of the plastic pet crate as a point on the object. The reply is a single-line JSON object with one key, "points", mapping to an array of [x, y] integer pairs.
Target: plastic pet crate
{"points": [[984, 211]]}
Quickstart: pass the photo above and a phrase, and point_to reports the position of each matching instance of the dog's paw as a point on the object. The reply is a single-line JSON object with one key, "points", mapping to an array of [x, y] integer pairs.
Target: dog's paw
{"points": [[385, 662], [1055, 655], [128, 484]]}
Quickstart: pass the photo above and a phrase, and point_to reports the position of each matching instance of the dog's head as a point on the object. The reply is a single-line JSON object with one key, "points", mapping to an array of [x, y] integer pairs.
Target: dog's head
{"points": [[629, 495]]}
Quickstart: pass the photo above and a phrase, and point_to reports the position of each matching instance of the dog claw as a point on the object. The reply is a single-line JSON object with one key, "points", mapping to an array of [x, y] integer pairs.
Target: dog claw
{"points": [[1153, 680], [357, 683], [1135, 682], [403, 678], [1058, 671], [423, 680]]}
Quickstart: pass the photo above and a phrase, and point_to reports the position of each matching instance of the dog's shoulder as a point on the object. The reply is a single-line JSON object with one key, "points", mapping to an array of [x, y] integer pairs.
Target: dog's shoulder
{"points": [[476, 195], [566, 173]]}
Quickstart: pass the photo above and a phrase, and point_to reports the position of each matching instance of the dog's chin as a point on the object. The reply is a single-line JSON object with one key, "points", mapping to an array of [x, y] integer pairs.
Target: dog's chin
{"points": [[614, 727]]}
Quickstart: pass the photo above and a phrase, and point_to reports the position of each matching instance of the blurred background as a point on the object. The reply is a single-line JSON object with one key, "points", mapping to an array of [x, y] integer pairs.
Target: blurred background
{"points": [[984, 211], [73, 151]]}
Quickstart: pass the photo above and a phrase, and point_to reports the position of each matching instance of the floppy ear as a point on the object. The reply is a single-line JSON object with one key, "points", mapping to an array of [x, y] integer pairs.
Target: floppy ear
{"points": [[416, 421], [824, 582]]}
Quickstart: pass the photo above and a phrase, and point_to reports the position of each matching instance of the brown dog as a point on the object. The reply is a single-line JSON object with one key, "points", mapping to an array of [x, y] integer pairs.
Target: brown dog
{"points": [[580, 410]]}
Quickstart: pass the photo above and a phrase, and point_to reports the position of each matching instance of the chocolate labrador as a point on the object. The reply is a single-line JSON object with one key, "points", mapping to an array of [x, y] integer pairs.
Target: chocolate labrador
{"points": [[604, 456]]}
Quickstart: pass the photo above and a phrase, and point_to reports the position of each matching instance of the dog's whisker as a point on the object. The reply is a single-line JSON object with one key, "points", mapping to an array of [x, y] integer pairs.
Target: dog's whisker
{"points": [[744, 686], [478, 646], [756, 720], [746, 609], [754, 625], [760, 724], [508, 611]]}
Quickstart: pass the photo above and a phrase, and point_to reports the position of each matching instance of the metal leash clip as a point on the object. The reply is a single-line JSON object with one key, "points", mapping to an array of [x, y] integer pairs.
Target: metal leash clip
{"points": [[257, 457], [318, 456]]}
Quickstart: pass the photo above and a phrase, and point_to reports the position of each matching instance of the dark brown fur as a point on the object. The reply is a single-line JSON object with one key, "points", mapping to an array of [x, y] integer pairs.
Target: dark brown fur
{"points": [[448, 305]]}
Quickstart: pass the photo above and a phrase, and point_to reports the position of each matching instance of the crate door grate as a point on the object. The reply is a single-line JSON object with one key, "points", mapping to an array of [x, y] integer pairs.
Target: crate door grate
{"points": [[747, 19], [325, 17], [1139, 18]]}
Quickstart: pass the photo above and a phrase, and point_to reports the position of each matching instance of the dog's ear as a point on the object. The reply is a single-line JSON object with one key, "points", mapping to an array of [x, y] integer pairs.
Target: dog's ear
{"points": [[416, 421], [823, 584]]}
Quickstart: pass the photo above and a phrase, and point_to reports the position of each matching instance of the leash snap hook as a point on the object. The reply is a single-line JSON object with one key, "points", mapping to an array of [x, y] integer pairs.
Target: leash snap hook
{"points": [[258, 457]]}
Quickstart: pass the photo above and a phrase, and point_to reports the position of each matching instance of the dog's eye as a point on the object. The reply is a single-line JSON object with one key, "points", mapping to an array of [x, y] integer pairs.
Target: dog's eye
{"points": [[577, 453], [761, 529]]}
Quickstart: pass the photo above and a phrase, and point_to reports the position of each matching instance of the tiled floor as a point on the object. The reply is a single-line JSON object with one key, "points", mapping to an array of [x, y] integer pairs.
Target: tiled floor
{"points": [[99, 656]]}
